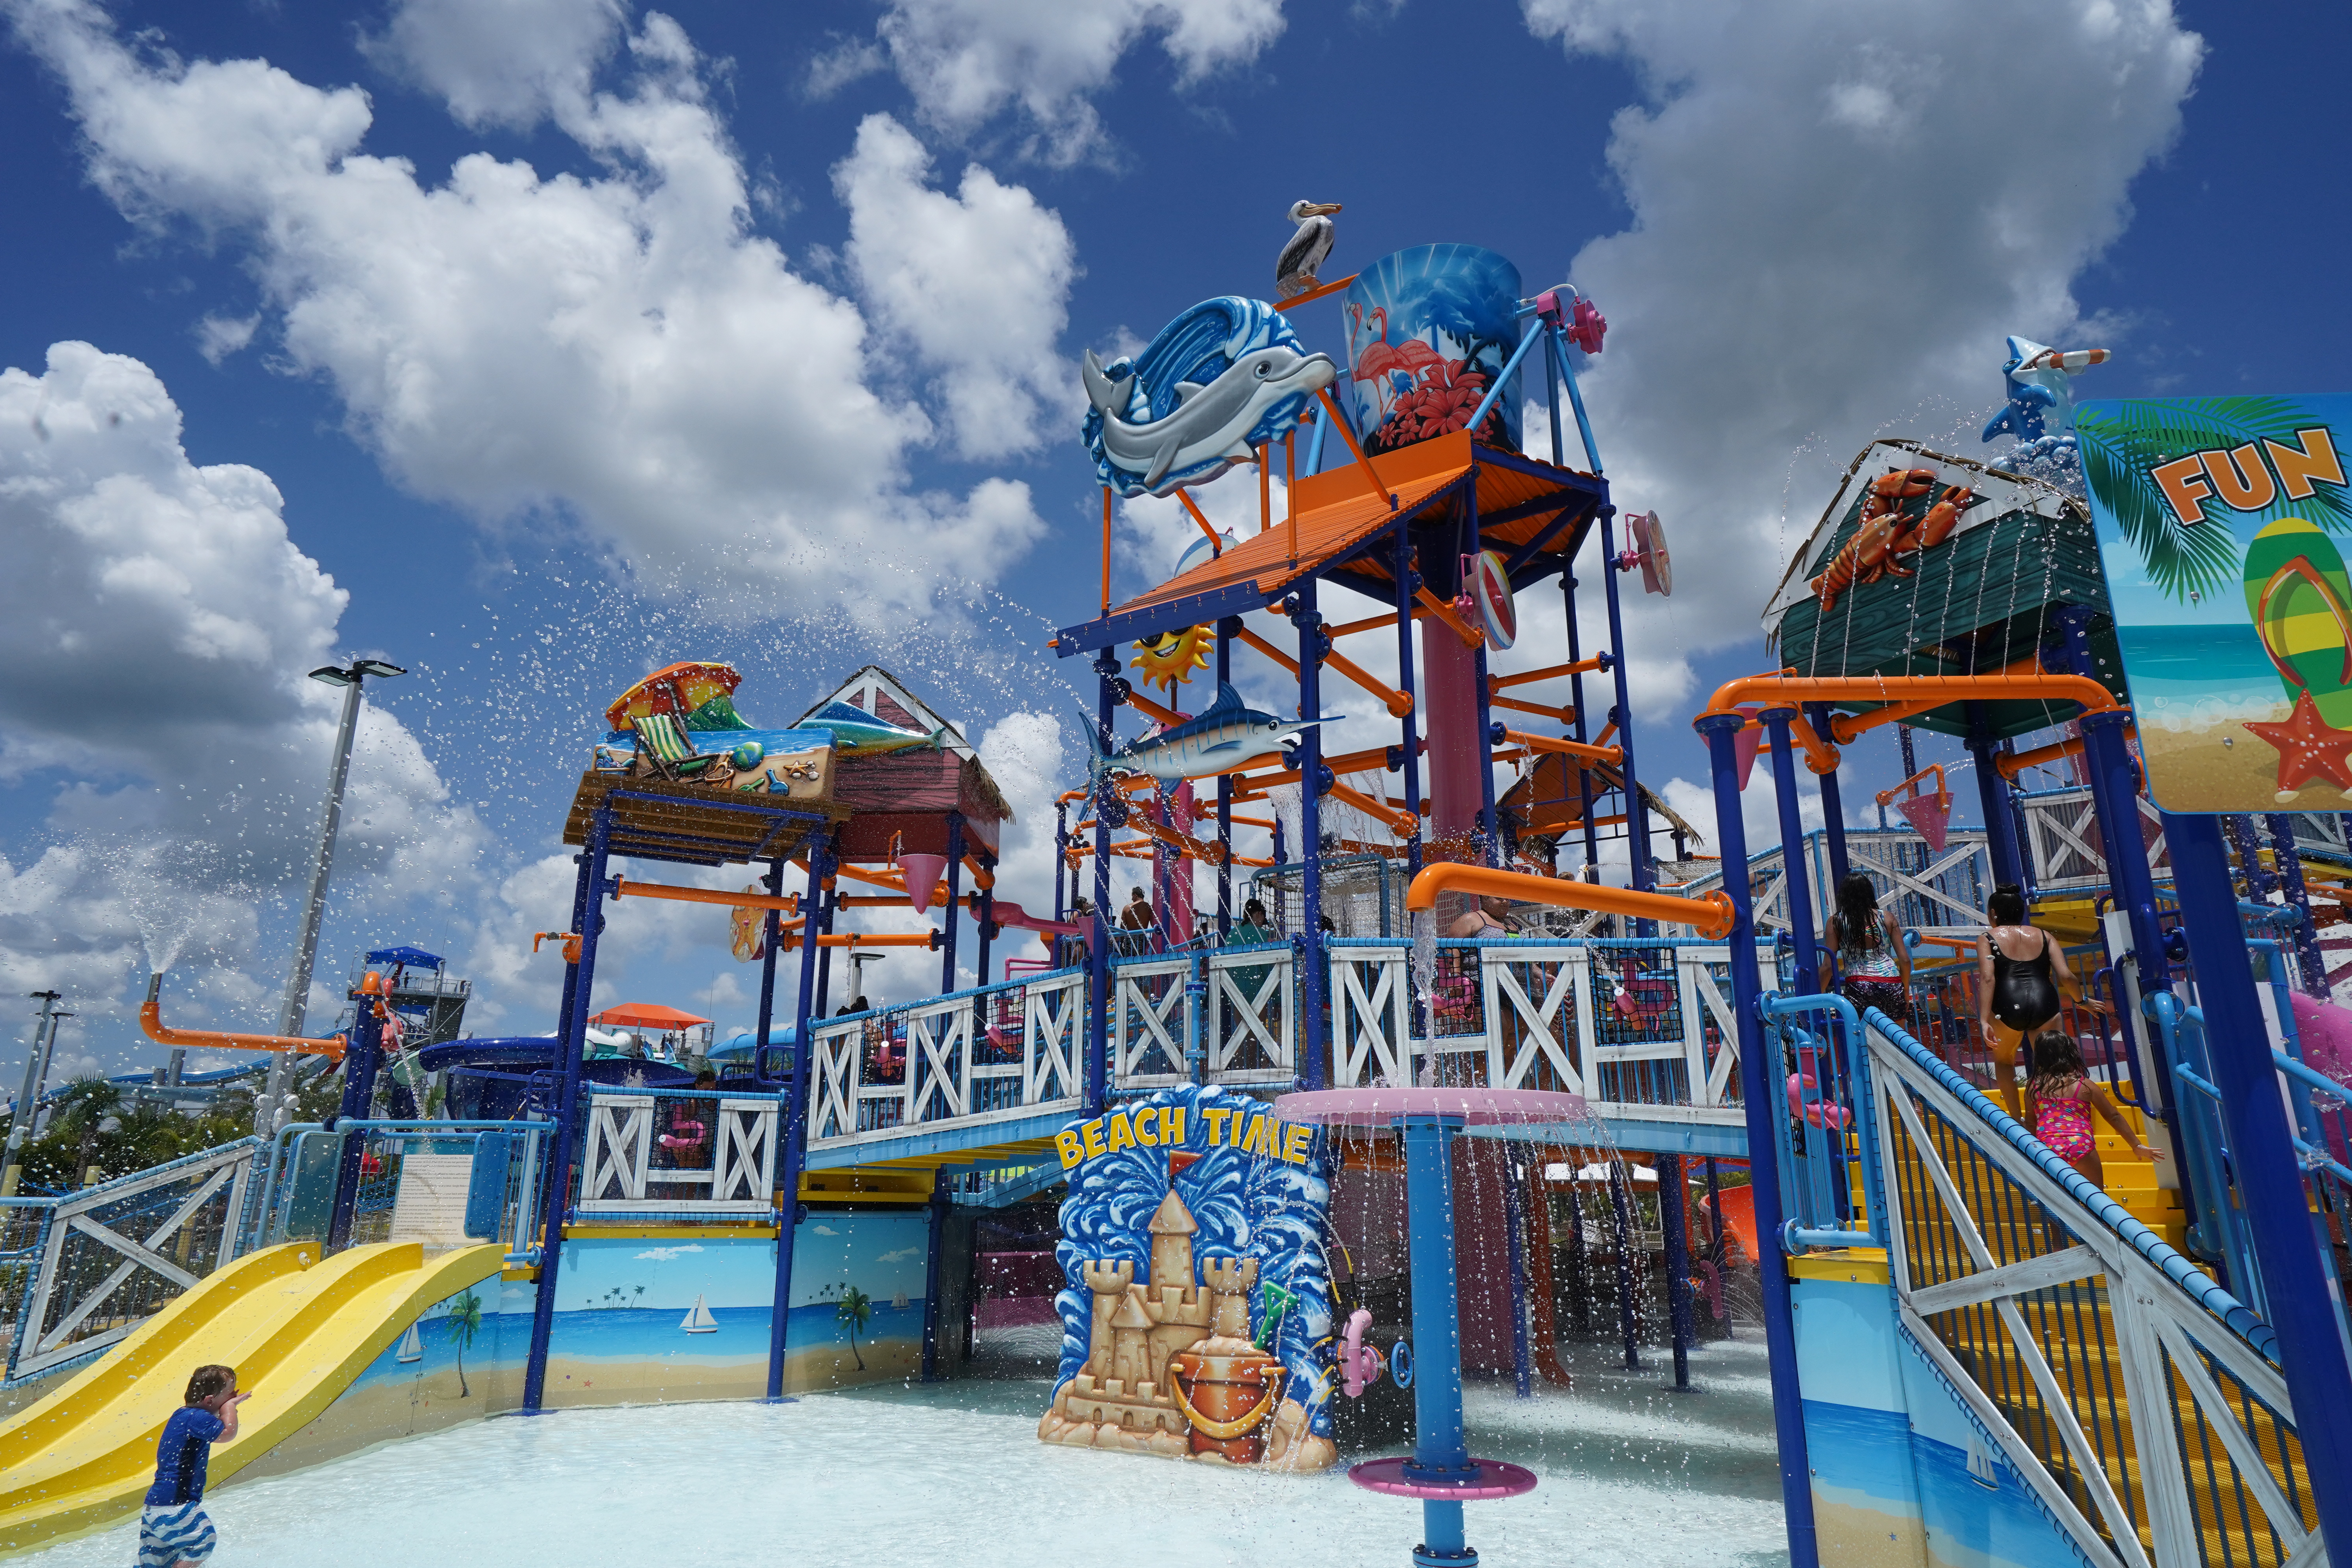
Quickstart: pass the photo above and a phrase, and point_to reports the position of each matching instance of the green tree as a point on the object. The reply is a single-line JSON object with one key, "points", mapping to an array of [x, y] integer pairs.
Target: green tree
{"points": [[854, 1308], [464, 1323], [84, 1106]]}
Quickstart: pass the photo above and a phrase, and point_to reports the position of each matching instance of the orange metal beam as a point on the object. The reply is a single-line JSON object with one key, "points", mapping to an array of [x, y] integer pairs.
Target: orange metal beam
{"points": [[1565, 715], [1918, 692], [787, 903], [1349, 431], [1216, 545], [854, 939], [1253, 640], [1472, 638], [1400, 703], [1614, 756], [1528, 677], [1137, 700], [1105, 583], [1403, 824], [2010, 766], [1846, 727], [151, 1024], [1887, 796], [1711, 915]]}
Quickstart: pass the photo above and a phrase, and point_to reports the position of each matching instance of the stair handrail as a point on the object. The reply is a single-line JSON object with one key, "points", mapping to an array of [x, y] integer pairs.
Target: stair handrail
{"points": [[2183, 1271]]}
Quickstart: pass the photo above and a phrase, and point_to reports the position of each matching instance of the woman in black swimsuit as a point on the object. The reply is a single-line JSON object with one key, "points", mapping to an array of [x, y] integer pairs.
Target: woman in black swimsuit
{"points": [[2020, 974]]}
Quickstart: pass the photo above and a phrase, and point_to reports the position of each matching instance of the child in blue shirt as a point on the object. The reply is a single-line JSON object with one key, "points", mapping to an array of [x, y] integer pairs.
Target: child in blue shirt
{"points": [[173, 1530]]}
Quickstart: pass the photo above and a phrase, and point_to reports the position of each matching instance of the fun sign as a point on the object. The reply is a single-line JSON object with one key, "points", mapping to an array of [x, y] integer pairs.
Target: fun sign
{"points": [[2219, 519]]}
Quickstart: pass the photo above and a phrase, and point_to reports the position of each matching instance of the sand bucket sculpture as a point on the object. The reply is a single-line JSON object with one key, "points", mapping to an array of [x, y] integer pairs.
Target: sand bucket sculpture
{"points": [[1225, 1385], [1429, 331]]}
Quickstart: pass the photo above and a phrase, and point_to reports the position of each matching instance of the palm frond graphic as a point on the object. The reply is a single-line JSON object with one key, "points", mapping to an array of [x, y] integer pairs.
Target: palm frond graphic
{"points": [[2119, 448]]}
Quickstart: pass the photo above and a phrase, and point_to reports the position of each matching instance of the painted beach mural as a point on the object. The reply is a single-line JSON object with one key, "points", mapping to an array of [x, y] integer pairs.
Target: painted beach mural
{"points": [[1196, 1306], [1429, 331], [2220, 525]]}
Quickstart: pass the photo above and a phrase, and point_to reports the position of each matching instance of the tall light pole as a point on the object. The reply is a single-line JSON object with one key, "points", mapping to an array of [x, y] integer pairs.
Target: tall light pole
{"points": [[267, 1111], [36, 1067]]}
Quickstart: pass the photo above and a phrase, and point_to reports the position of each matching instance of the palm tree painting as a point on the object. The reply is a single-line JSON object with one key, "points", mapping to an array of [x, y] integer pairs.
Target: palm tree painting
{"points": [[464, 1323], [854, 1309]]}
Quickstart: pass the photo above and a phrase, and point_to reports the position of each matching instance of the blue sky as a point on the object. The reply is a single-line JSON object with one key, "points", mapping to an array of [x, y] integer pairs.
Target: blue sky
{"points": [[533, 343]]}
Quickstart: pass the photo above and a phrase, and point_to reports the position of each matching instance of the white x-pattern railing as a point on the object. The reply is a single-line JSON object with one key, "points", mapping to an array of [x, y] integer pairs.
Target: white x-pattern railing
{"points": [[728, 1167], [973, 1059], [2166, 1339], [1550, 1014], [117, 1253], [2061, 829]]}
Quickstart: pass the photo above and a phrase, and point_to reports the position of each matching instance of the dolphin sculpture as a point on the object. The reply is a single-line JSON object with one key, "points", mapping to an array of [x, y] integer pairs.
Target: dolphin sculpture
{"points": [[1209, 422], [1227, 735]]}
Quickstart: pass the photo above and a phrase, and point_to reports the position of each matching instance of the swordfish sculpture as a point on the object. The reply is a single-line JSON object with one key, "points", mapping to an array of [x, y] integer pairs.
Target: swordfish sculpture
{"points": [[1221, 380], [1222, 739]]}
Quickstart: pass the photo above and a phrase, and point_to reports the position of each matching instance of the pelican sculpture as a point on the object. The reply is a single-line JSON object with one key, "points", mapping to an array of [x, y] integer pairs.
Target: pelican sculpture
{"points": [[1293, 273]]}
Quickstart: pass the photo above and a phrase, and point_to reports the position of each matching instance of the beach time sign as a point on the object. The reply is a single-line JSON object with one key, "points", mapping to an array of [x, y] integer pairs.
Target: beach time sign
{"points": [[2221, 525]]}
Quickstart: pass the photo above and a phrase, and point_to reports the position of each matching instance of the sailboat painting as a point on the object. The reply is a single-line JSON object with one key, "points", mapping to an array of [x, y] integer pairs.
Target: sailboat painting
{"points": [[699, 1319], [1980, 1463], [412, 1349]]}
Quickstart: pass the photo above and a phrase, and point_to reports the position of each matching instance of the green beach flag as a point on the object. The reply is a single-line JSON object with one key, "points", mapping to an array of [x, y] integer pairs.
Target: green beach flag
{"points": [[2300, 602]]}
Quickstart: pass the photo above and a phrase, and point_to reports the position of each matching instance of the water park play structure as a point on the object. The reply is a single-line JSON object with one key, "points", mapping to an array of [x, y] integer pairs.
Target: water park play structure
{"points": [[1317, 1138]]}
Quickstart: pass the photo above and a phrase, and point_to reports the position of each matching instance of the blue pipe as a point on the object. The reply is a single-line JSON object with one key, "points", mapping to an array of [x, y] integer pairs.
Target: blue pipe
{"points": [[2305, 1301], [1105, 799], [1873, 1182], [359, 1092], [1313, 968], [1760, 1065], [1576, 401], [1792, 849], [1441, 1450], [1637, 813], [1672, 1196], [1502, 382]]}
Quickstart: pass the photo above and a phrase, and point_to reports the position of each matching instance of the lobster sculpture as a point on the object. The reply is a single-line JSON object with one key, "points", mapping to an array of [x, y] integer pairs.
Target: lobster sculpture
{"points": [[1891, 529]]}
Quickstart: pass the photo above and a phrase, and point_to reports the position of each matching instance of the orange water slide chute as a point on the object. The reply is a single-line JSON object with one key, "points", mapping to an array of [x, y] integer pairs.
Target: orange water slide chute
{"points": [[1711, 914], [1908, 695], [150, 1023]]}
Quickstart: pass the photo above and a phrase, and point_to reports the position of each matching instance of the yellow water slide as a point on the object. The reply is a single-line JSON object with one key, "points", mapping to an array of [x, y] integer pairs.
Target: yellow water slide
{"points": [[296, 1330]]}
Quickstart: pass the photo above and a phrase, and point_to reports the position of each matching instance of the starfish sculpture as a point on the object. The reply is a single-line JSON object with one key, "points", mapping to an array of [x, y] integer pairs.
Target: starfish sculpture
{"points": [[2307, 747]]}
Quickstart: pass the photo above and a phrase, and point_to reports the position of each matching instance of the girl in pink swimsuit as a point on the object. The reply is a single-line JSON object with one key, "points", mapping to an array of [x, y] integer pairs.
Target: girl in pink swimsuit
{"points": [[2060, 1097]]}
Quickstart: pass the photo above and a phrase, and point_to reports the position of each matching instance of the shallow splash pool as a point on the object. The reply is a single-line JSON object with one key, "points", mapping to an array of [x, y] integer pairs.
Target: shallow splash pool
{"points": [[953, 1474]]}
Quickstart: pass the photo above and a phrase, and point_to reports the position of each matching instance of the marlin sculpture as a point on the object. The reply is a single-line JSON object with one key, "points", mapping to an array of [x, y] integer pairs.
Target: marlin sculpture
{"points": [[857, 733], [1219, 741], [1209, 423]]}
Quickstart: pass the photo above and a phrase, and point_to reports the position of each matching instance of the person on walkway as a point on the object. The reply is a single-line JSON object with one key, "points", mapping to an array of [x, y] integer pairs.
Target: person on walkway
{"points": [[172, 1528], [2060, 1098], [1482, 917], [1135, 925], [1865, 952], [2020, 974]]}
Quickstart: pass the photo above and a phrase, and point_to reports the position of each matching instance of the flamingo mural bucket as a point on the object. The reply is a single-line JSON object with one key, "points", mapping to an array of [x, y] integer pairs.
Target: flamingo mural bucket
{"points": [[922, 873], [1429, 330]]}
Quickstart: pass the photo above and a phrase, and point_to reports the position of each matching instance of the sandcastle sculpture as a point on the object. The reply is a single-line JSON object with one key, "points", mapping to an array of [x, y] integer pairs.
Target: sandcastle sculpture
{"points": [[1129, 1396]]}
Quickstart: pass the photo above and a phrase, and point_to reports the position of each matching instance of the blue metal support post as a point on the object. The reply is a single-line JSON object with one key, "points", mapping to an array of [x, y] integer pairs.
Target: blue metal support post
{"points": [[1441, 1450], [1314, 780], [1637, 815], [1992, 799], [1409, 746], [1673, 1219], [2299, 1283], [1225, 629], [1581, 733], [955, 900], [1760, 1071], [572, 1032], [984, 917], [771, 939], [2308, 960], [795, 1133], [1621, 1224], [1106, 801], [1819, 715], [939, 1205], [1792, 858], [1515, 1236]]}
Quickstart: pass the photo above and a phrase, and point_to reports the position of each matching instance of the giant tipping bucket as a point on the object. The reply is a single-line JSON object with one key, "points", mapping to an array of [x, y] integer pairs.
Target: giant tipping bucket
{"points": [[1429, 331]]}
